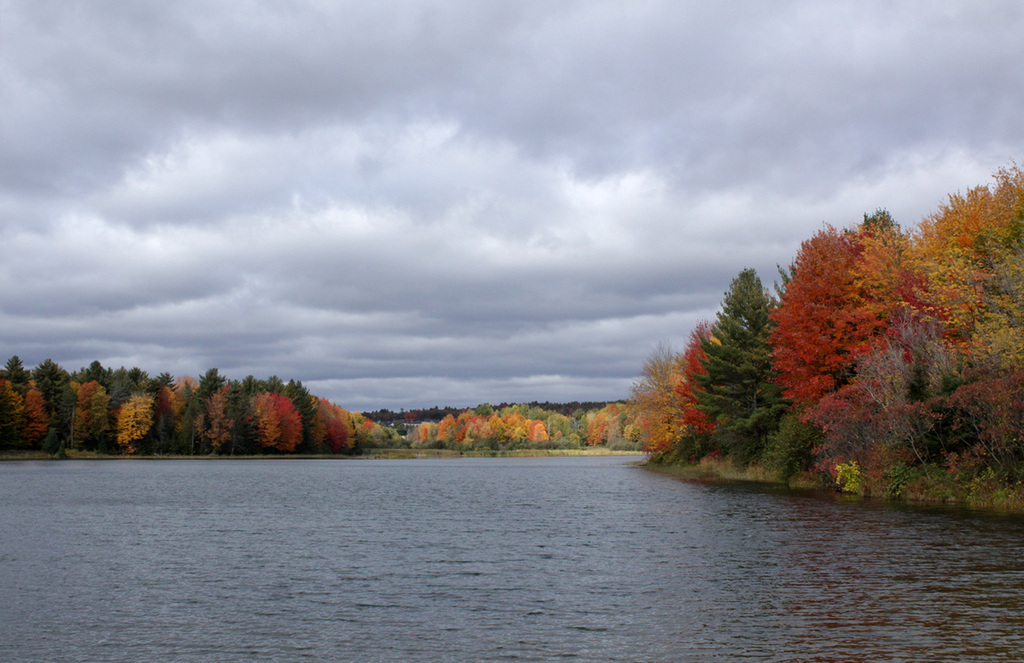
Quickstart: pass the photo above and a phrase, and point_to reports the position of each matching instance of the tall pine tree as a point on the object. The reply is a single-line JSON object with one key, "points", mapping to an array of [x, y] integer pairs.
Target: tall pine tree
{"points": [[739, 391], [15, 373]]}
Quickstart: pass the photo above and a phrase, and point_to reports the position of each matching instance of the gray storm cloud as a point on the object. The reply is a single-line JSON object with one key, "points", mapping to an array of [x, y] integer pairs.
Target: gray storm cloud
{"points": [[414, 203]]}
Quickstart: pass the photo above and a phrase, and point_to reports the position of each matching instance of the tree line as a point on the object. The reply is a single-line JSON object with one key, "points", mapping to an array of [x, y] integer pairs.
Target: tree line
{"points": [[888, 359], [436, 414], [125, 411], [527, 426]]}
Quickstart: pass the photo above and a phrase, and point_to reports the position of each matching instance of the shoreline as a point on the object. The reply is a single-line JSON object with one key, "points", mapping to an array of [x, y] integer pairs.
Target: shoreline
{"points": [[975, 496], [367, 454], [991, 497]]}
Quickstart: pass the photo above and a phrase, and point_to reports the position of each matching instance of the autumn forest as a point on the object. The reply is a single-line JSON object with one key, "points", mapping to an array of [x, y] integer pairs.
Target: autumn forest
{"points": [[125, 411], [886, 361]]}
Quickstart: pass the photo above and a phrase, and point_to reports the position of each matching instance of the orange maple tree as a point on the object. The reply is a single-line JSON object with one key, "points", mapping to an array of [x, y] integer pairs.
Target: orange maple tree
{"points": [[218, 421], [277, 421]]}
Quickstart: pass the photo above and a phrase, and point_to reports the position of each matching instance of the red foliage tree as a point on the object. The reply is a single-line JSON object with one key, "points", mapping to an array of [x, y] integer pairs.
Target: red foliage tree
{"points": [[696, 421], [990, 411], [337, 437], [330, 426], [821, 326], [277, 421], [36, 421]]}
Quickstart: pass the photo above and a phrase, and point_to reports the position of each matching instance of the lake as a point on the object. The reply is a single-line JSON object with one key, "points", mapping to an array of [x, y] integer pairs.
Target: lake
{"points": [[487, 559]]}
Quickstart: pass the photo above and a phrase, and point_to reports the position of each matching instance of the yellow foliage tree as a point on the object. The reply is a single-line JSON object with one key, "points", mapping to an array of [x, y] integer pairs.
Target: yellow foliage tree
{"points": [[654, 406], [1001, 325], [134, 420], [424, 433], [515, 427], [267, 420], [961, 245], [499, 430], [883, 271]]}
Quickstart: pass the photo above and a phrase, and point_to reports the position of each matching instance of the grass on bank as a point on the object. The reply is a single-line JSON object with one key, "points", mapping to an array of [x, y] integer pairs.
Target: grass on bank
{"points": [[917, 485], [711, 468]]}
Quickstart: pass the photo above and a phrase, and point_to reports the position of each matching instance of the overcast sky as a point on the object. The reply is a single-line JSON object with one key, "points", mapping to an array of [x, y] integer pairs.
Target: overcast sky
{"points": [[449, 202]]}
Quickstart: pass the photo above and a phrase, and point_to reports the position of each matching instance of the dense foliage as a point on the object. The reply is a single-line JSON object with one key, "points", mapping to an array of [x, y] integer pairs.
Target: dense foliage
{"points": [[435, 414], [891, 359], [125, 411], [527, 426]]}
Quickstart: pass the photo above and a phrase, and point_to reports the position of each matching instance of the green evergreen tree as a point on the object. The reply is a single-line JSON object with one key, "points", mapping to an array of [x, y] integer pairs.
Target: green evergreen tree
{"points": [[739, 391], [10, 415], [96, 372], [250, 386], [210, 383], [52, 380], [15, 373], [121, 388], [53, 445], [163, 380], [187, 433], [239, 410], [273, 385]]}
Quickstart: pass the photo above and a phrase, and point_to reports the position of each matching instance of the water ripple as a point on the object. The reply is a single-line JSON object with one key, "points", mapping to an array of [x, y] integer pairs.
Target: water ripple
{"points": [[589, 559]]}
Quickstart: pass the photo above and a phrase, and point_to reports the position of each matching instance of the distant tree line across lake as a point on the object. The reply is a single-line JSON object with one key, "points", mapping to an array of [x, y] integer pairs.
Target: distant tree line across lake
{"points": [[511, 426], [435, 413], [889, 360], [524, 426], [126, 411]]}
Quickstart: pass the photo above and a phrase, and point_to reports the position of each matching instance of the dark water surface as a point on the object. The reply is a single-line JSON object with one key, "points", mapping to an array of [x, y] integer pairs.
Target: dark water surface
{"points": [[539, 559]]}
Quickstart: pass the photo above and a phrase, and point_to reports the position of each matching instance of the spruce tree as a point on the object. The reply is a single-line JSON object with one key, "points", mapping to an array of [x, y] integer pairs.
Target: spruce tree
{"points": [[11, 407], [52, 380], [739, 392], [15, 373]]}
